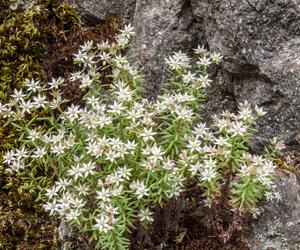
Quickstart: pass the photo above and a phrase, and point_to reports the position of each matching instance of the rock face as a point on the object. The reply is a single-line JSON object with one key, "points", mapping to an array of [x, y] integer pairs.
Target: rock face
{"points": [[162, 27], [260, 41], [278, 226], [95, 11]]}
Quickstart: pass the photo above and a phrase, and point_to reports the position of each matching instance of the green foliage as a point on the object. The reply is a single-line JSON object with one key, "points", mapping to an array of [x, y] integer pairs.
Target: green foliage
{"points": [[119, 155]]}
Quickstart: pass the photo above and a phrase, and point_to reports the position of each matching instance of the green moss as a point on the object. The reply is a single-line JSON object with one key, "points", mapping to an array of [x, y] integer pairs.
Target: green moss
{"points": [[24, 34]]}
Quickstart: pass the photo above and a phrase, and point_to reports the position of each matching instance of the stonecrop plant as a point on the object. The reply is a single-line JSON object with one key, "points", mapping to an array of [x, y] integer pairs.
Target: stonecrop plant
{"points": [[121, 154]]}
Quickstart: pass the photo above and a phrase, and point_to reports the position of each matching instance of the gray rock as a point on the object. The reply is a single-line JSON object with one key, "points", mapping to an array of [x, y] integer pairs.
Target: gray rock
{"points": [[94, 11], [279, 224], [261, 43], [162, 27], [65, 233]]}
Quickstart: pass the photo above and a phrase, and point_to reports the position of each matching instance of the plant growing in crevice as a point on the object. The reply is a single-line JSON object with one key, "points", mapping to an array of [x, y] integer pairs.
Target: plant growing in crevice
{"points": [[120, 154]]}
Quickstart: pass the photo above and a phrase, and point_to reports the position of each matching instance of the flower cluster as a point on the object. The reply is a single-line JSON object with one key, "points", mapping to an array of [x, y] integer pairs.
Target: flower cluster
{"points": [[121, 154]]}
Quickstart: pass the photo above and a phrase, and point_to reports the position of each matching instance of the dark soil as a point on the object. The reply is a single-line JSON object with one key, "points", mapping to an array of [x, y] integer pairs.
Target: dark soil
{"points": [[185, 224]]}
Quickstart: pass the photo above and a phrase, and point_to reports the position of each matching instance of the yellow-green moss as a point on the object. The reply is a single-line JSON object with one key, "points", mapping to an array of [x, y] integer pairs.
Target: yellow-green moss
{"points": [[24, 33]]}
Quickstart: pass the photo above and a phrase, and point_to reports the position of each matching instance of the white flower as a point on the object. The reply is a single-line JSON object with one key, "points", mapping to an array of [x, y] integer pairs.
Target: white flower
{"points": [[75, 76], [124, 172], [259, 111], [110, 209], [73, 112], [55, 83], [146, 151], [88, 168], [147, 134], [222, 124], [145, 215], [128, 31], [115, 143], [195, 168], [131, 146], [33, 134], [87, 46], [103, 45], [194, 144], [178, 61], [134, 114], [88, 119], [238, 128], [94, 101], [156, 153], [205, 82], [75, 171], [124, 94], [58, 148], [117, 190], [280, 146], [82, 189], [94, 149], [168, 164], [39, 101], [116, 108], [120, 61], [9, 157], [105, 57], [32, 85], [16, 165], [150, 164], [204, 61], [174, 190], [139, 189], [56, 102], [78, 202], [182, 98], [189, 77], [184, 113], [102, 224], [86, 81], [62, 184], [104, 195], [200, 129], [51, 192], [216, 57], [73, 214], [200, 50], [222, 141], [245, 113], [18, 95], [21, 153], [208, 174], [26, 106], [122, 40], [185, 159], [208, 171], [51, 207], [39, 152]]}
